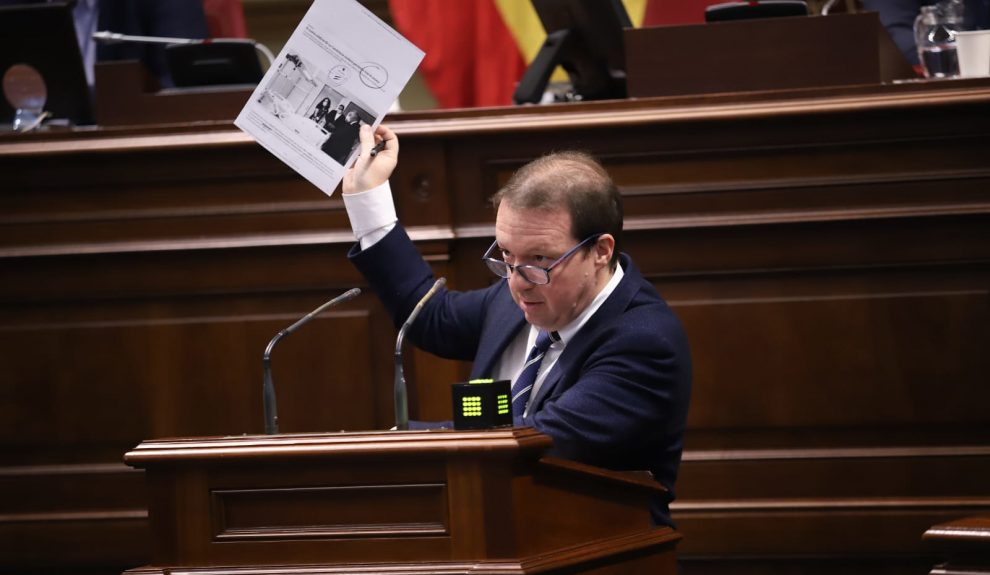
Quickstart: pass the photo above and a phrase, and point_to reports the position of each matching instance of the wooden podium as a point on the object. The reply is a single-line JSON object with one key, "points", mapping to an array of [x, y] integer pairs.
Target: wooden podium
{"points": [[406, 502], [964, 544]]}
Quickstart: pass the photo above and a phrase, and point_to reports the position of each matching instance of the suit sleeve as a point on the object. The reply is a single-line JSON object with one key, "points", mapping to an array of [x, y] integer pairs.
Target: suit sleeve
{"points": [[449, 325]]}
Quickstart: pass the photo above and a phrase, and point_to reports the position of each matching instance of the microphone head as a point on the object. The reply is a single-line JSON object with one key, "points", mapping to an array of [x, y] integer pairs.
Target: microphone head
{"points": [[415, 312], [106, 37]]}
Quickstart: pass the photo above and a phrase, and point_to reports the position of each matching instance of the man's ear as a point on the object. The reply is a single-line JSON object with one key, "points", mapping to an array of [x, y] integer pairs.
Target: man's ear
{"points": [[604, 248]]}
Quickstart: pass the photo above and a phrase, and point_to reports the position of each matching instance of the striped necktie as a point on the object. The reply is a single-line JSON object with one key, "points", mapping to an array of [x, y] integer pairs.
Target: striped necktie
{"points": [[523, 387]]}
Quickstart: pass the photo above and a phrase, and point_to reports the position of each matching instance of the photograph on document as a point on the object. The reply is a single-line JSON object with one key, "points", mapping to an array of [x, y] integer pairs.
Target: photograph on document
{"points": [[342, 68], [316, 106]]}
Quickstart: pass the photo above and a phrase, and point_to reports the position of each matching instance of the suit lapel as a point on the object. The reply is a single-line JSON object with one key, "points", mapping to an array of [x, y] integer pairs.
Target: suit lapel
{"points": [[609, 311], [505, 319]]}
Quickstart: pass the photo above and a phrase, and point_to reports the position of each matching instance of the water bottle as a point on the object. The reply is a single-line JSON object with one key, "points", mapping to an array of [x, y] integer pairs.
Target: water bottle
{"points": [[935, 36]]}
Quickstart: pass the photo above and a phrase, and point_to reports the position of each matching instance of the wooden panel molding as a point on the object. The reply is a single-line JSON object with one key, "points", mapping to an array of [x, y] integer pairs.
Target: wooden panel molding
{"points": [[827, 251], [352, 512]]}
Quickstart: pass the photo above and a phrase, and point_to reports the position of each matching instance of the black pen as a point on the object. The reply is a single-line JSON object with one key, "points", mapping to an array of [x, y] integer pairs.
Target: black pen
{"points": [[378, 148]]}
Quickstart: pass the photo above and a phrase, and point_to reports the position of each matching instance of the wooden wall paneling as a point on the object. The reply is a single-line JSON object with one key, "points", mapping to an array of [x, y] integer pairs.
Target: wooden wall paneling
{"points": [[811, 243], [825, 501], [142, 300], [850, 250], [158, 194], [724, 177], [63, 516], [875, 329]]}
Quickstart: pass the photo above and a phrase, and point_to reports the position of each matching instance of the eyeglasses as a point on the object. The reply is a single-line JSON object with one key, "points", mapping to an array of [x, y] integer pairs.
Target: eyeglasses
{"points": [[533, 274]]}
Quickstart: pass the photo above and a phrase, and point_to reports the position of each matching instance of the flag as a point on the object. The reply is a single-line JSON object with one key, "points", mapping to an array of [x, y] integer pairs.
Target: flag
{"points": [[471, 58], [477, 50]]}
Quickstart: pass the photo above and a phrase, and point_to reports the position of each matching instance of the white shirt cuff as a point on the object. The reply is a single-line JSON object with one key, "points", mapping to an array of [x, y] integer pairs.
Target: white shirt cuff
{"points": [[372, 214]]}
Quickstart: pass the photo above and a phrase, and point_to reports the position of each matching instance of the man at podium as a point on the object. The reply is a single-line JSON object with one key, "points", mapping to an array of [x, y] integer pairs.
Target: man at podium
{"points": [[598, 360]]}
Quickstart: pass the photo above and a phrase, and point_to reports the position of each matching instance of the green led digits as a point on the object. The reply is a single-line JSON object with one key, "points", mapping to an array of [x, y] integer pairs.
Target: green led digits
{"points": [[481, 403], [471, 405], [503, 403]]}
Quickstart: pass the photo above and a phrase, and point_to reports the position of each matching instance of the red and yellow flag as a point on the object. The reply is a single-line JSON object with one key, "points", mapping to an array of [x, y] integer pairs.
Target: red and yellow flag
{"points": [[476, 50]]}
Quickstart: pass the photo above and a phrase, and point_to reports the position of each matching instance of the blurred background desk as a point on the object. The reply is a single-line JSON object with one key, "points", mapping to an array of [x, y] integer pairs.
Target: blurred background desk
{"points": [[827, 250]]}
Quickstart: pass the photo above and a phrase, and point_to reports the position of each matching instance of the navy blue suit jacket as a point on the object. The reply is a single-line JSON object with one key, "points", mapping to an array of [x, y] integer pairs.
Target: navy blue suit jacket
{"points": [[618, 395]]}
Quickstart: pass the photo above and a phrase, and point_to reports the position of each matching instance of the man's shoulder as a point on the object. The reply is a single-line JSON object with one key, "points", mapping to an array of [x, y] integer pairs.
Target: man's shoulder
{"points": [[645, 320], [649, 321], [638, 296]]}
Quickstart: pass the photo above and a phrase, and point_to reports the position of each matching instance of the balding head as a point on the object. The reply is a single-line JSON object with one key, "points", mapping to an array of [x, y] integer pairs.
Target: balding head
{"points": [[572, 181]]}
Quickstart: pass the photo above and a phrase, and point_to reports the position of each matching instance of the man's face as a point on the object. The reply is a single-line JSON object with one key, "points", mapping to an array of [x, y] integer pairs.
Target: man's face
{"points": [[539, 237]]}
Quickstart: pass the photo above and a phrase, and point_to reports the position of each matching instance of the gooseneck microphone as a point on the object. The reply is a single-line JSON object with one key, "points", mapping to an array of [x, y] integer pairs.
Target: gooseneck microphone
{"points": [[107, 37], [271, 411], [401, 403]]}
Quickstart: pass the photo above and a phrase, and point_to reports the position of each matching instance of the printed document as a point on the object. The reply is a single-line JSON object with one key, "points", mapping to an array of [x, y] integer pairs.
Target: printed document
{"points": [[342, 67]]}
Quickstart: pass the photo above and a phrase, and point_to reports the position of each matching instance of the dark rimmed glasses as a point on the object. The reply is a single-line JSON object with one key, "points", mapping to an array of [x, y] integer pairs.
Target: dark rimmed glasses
{"points": [[533, 274]]}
